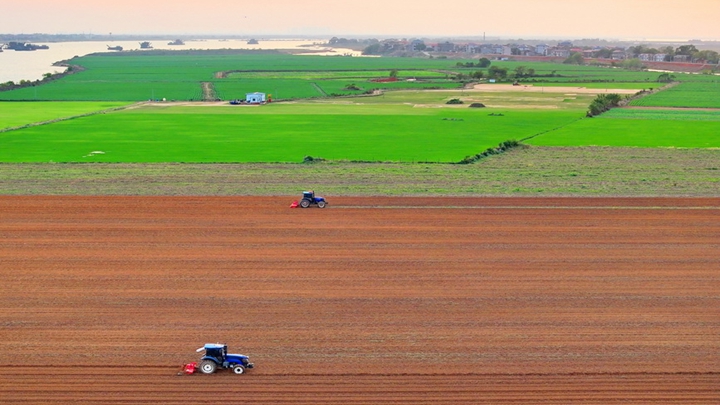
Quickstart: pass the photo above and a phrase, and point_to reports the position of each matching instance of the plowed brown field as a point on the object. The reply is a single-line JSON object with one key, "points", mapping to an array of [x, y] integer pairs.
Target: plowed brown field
{"points": [[369, 301]]}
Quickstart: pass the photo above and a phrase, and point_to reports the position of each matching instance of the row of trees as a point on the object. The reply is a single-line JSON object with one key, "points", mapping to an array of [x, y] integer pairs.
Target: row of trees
{"points": [[482, 63], [670, 52], [602, 103], [691, 51], [499, 73]]}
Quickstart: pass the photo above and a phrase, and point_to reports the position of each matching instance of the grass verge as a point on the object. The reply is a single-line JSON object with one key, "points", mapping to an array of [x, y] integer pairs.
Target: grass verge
{"points": [[527, 171]]}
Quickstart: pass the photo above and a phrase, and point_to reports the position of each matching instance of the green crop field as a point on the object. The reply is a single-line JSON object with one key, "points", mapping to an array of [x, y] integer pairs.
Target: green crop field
{"points": [[276, 133], [329, 75], [639, 128], [692, 94], [178, 75], [19, 114], [407, 125]]}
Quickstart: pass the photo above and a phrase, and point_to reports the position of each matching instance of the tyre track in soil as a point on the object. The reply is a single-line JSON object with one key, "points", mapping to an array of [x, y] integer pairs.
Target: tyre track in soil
{"points": [[100, 298], [159, 385]]}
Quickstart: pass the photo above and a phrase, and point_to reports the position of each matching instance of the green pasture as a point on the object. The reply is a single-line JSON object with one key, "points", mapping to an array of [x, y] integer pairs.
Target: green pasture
{"points": [[276, 133], [639, 128], [692, 94], [19, 114]]}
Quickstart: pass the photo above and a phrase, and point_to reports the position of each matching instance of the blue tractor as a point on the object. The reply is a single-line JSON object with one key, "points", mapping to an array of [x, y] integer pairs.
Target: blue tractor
{"points": [[217, 357], [310, 199]]}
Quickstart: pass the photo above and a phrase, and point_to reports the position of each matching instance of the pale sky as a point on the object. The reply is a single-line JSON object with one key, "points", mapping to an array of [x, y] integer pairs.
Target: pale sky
{"points": [[622, 19]]}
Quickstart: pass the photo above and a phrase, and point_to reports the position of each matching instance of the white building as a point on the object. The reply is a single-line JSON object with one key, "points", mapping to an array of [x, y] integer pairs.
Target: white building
{"points": [[255, 98], [542, 49]]}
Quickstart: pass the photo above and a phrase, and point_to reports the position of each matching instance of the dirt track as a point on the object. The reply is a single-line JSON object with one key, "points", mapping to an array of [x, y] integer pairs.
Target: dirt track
{"points": [[493, 88], [406, 300]]}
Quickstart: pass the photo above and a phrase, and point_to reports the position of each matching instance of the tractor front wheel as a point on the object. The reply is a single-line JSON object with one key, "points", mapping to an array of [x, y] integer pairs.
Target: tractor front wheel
{"points": [[321, 204], [208, 366], [304, 203], [238, 369]]}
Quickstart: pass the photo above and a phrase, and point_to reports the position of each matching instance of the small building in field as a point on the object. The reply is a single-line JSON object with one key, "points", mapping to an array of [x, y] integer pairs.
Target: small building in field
{"points": [[255, 98]]}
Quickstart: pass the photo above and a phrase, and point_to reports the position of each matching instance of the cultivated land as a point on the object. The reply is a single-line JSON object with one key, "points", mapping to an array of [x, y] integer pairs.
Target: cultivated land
{"points": [[435, 300]]}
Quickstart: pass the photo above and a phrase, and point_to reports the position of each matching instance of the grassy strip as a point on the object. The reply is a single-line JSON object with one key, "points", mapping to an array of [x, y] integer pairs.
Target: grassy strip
{"points": [[526, 171]]}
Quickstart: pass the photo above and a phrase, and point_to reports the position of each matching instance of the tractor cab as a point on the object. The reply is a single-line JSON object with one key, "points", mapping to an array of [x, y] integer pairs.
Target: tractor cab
{"points": [[216, 352], [310, 195]]}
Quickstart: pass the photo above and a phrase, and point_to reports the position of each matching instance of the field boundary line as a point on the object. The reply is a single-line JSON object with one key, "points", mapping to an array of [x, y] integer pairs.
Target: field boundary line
{"points": [[52, 121], [551, 130], [319, 89]]}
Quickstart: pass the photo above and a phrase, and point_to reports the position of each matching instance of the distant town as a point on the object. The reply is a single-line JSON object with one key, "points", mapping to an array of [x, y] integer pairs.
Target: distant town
{"points": [[564, 51], [684, 53]]}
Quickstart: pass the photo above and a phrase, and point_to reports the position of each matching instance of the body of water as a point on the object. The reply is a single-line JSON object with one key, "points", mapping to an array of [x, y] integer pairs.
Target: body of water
{"points": [[32, 65]]}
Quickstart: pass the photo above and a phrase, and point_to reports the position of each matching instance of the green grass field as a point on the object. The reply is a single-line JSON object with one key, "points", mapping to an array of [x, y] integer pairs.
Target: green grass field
{"points": [[19, 114], [639, 128], [691, 94], [276, 133]]}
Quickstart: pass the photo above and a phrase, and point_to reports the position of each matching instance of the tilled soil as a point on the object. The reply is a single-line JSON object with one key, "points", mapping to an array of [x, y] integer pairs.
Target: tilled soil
{"points": [[371, 300]]}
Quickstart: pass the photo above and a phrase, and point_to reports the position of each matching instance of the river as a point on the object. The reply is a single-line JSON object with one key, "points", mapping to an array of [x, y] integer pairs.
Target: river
{"points": [[32, 65]]}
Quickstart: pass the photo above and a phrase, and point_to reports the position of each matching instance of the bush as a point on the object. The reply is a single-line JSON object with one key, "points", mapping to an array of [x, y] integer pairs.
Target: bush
{"points": [[477, 105], [455, 101], [310, 159], [501, 148], [602, 103]]}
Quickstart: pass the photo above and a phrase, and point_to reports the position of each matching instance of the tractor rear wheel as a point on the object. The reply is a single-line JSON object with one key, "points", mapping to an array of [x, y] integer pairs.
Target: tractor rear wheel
{"points": [[208, 366], [238, 369], [305, 203], [321, 204]]}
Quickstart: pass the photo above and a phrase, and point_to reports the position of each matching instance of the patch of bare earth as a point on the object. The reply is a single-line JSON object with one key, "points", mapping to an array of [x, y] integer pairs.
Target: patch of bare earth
{"points": [[371, 300], [505, 88]]}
